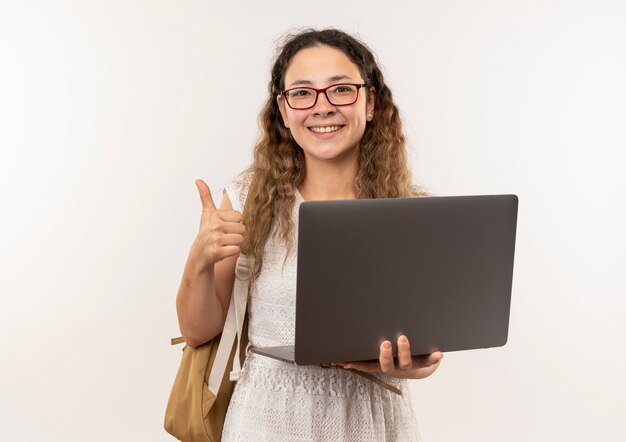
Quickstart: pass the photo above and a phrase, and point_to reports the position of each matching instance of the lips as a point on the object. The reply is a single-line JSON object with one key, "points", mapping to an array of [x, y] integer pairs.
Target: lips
{"points": [[325, 129]]}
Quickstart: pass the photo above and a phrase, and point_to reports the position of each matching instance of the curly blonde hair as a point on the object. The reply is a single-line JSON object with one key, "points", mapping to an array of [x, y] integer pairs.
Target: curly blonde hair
{"points": [[279, 166]]}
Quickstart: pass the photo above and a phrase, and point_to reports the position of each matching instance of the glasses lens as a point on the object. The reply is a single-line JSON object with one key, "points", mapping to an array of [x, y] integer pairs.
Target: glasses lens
{"points": [[340, 94], [301, 98]]}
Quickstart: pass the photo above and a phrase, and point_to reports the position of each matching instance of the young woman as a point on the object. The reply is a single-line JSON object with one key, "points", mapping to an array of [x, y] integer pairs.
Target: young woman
{"points": [[330, 130]]}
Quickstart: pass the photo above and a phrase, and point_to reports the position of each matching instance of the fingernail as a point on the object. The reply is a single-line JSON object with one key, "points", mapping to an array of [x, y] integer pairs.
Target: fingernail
{"points": [[403, 339], [387, 345]]}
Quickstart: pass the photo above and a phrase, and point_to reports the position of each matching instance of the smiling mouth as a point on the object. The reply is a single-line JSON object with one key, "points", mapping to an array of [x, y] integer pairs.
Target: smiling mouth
{"points": [[325, 129]]}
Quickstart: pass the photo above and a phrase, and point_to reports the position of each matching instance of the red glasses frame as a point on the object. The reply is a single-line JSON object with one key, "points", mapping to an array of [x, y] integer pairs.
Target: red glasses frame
{"points": [[318, 91]]}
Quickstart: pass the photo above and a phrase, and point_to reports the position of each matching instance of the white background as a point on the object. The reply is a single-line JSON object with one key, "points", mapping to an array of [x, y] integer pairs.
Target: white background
{"points": [[110, 109]]}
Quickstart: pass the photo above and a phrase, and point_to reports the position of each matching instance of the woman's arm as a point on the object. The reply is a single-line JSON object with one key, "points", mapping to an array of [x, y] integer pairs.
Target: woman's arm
{"points": [[207, 282]]}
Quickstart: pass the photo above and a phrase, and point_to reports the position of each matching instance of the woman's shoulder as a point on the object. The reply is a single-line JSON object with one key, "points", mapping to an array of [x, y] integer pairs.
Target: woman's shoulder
{"points": [[237, 189]]}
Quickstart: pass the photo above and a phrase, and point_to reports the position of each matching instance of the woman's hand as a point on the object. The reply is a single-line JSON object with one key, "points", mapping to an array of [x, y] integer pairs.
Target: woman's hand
{"points": [[205, 288], [405, 367], [221, 231]]}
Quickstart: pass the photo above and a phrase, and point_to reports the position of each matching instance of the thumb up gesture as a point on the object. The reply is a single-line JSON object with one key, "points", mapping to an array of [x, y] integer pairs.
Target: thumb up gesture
{"points": [[221, 232]]}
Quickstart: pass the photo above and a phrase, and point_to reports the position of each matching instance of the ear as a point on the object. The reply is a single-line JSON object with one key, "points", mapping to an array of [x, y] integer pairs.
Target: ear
{"points": [[371, 100], [281, 106]]}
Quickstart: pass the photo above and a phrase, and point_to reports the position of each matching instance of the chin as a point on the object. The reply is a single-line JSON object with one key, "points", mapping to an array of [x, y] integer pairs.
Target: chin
{"points": [[330, 154]]}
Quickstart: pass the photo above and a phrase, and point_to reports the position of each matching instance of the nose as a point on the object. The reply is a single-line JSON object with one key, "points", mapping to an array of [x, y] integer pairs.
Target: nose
{"points": [[323, 106]]}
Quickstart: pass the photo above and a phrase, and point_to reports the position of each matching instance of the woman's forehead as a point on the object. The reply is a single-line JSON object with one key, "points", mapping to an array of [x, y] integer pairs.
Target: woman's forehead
{"points": [[320, 66]]}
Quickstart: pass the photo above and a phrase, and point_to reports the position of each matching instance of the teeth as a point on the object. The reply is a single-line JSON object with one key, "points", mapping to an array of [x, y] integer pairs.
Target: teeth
{"points": [[323, 130]]}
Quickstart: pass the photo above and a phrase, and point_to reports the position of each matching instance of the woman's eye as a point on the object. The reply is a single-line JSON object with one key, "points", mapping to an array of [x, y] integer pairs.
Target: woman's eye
{"points": [[300, 93], [342, 89]]}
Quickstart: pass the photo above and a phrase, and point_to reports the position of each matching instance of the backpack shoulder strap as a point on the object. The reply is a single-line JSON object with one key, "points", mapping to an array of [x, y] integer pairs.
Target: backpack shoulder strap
{"points": [[233, 327]]}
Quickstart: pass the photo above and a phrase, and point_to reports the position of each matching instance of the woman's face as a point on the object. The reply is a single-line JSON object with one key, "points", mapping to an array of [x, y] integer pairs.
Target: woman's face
{"points": [[326, 132]]}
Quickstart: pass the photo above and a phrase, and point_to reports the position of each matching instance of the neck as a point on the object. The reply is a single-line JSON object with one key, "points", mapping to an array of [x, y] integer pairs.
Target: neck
{"points": [[326, 181]]}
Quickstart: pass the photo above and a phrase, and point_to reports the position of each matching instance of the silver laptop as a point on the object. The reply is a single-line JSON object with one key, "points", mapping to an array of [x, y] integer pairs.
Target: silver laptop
{"points": [[438, 270]]}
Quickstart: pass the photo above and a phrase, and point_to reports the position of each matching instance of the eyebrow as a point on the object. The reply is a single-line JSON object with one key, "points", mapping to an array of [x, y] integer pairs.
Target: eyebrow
{"points": [[330, 80]]}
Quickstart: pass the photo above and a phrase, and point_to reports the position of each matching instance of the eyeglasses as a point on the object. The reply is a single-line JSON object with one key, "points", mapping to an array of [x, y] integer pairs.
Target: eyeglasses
{"points": [[342, 94]]}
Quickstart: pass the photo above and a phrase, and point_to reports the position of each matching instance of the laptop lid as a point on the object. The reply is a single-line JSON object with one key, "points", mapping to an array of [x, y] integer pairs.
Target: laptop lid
{"points": [[438, 270]]}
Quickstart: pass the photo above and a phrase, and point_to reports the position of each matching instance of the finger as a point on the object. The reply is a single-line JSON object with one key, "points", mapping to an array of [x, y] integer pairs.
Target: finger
{"points": [[234, 228], [435, 357], [230, 215], [426, 361], [404, 353], [230, 240], [205, 195], [386, 357], [217, 224], [225, 252]]}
